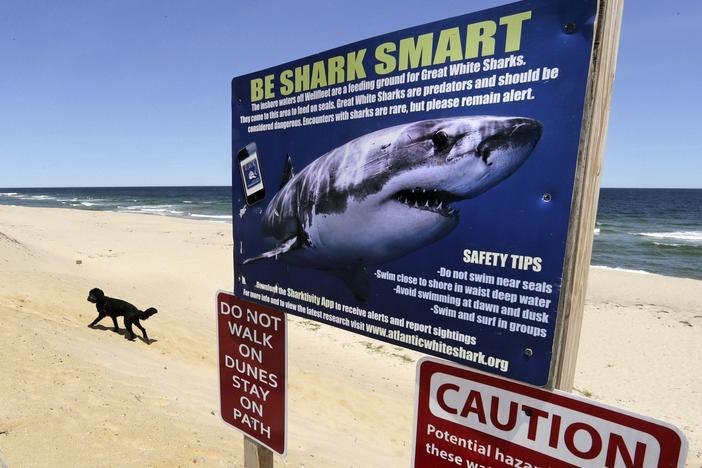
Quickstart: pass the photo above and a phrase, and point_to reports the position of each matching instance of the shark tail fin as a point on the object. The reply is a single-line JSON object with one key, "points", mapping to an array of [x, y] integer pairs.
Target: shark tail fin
{"points": [[285, 247], [288, 171]]}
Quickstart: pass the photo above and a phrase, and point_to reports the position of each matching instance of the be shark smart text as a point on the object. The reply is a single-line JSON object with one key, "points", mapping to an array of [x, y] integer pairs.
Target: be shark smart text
{"points": [[455, 44]]}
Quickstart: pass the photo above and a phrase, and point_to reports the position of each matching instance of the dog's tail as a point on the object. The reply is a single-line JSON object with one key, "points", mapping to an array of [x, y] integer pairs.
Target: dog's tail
{"points": [[147, 313]]}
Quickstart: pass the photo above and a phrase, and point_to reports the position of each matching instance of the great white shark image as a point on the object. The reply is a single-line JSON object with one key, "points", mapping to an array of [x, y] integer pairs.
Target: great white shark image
{"points": [[390, 192]]}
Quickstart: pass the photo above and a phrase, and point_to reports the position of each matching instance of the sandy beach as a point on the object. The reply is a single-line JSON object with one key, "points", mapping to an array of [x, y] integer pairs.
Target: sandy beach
{"points": [[75, 396]]}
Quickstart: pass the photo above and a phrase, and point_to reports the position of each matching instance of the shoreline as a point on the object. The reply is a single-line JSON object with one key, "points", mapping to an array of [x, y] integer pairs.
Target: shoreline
{"points": [[92, 397], [227, 219], [627, 270]]}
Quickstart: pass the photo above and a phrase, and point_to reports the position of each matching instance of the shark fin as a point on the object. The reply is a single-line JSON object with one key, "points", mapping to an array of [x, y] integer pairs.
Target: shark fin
{"points": [[356, 279], [285, 247], [288, 171]]}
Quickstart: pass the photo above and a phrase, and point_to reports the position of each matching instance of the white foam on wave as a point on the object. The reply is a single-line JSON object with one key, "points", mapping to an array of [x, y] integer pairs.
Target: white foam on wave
{"points": [[9, 194], [150, 210], [146, 207], [228, 217], [640, 272], [694, 236], [669, 244], [597, 231]]}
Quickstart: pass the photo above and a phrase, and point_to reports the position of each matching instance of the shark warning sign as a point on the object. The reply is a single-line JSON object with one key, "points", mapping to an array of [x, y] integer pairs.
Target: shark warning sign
{"points": [[416, 187]]}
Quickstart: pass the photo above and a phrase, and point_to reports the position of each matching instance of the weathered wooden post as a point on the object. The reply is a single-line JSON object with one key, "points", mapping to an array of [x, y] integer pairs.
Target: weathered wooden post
{"points": [[256, 455], [586, 193]]}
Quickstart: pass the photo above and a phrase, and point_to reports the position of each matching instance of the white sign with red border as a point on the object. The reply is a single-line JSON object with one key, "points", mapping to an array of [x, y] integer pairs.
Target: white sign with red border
{"points": [[470, 419]]}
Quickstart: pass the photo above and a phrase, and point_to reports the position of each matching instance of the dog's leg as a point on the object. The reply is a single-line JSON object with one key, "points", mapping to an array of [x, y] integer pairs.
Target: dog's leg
{"points": [[130, 332], [143, 330], [114, 320], [99, 317]]}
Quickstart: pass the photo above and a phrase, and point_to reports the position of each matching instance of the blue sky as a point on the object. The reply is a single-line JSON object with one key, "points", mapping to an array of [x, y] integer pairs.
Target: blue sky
{"points": [[125, 92]]}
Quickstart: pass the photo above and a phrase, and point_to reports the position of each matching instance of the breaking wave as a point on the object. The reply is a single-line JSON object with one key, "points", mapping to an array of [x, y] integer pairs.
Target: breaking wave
{"points": [[640, 272], [223, 217], [689, 236]]}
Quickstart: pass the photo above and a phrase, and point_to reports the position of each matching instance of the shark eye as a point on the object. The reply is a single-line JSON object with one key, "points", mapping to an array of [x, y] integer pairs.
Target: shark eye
{"points": [[440, 140]]}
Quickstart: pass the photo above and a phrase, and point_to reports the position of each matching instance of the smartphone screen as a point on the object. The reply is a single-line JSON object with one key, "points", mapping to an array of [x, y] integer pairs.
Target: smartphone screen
{"points": [[251, 174]]}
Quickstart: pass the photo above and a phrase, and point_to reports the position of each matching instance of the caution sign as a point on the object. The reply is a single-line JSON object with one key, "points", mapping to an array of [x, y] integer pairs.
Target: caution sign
{"points": [[252, 370], [465, 418]]}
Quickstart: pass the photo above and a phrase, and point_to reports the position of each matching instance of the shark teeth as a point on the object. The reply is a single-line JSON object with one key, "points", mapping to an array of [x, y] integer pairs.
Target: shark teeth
{"points": [[434, 200]]}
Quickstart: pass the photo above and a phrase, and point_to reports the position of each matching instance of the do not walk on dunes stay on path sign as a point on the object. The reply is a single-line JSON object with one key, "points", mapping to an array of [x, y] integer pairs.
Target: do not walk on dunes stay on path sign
{"points": [[253, 370]]}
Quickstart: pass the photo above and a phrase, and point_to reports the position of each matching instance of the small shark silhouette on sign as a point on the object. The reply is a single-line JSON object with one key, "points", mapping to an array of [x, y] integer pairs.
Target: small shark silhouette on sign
{"points": [[388, 193]]}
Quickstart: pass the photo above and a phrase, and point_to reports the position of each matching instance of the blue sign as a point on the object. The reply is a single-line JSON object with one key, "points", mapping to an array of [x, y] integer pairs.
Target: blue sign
{"points": [[416, 187]]}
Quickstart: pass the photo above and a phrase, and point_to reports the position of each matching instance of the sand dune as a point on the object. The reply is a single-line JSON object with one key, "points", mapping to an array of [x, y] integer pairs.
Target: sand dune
{"points": [[75, 396]]}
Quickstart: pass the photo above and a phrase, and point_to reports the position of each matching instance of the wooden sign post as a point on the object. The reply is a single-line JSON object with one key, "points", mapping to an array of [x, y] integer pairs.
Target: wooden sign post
{"points": [[586, 193], [256, 455]]}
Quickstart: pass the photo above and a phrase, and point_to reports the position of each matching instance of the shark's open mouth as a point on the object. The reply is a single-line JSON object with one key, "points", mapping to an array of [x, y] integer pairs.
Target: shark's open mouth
{"points": [[434, 200]]}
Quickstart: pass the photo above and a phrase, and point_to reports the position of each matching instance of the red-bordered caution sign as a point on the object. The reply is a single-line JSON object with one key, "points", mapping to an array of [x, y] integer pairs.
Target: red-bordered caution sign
{"points": [[253, 370], [470, 419]]}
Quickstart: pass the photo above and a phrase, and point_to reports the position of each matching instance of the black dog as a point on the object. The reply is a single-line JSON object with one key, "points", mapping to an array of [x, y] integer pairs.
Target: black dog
{"points": [[108, 306]]}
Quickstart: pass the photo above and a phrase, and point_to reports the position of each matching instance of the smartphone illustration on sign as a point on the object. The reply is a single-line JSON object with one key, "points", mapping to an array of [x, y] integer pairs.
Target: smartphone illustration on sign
{"points": [[251, 176]]}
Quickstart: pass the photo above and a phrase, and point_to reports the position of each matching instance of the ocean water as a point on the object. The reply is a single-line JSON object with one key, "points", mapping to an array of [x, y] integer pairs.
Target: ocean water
{"points": [[206, 203], [650, 230], [646, 230]]}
